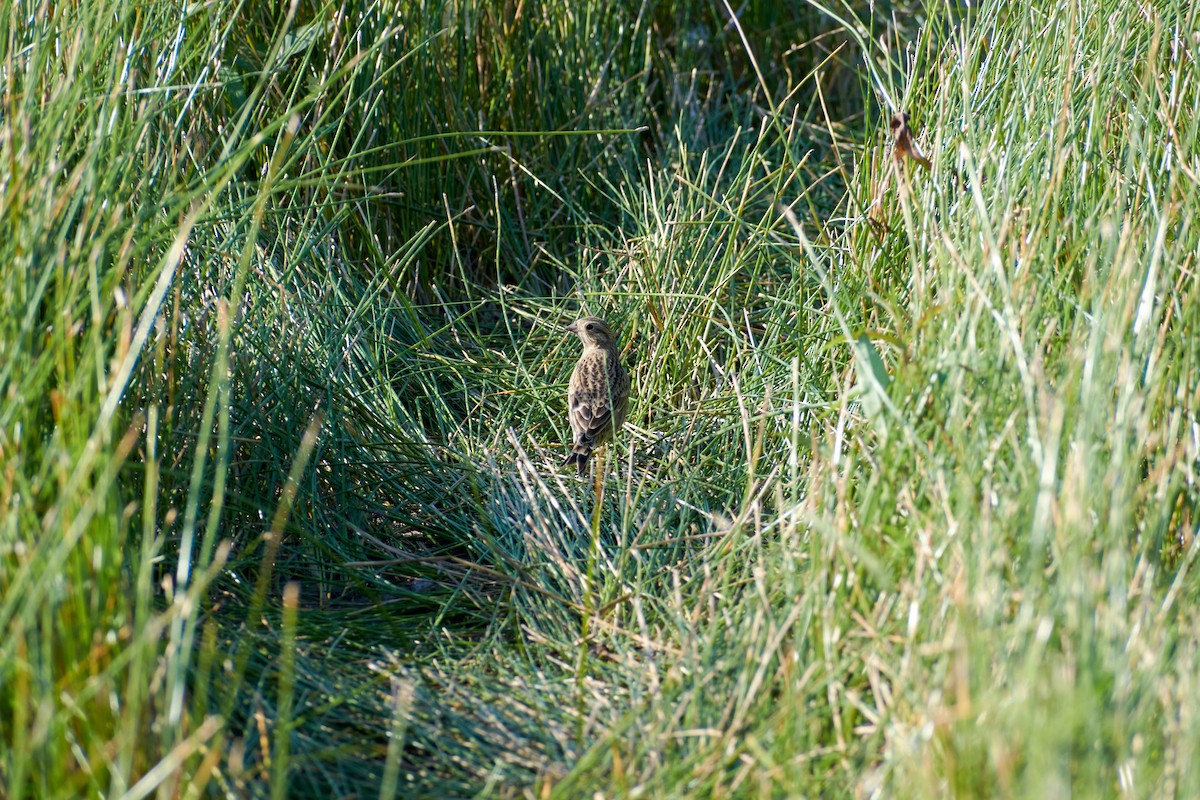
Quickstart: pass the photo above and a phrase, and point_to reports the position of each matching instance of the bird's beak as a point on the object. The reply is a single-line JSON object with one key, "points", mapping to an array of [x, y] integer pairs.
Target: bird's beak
{"points": [[572, 329]]}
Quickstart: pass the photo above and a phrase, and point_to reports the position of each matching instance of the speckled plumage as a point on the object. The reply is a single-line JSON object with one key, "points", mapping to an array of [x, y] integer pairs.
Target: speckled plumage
{"points": [[598, 394]]}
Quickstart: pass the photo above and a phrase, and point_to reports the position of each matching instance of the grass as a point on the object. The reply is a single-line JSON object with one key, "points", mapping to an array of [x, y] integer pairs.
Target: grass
{"points": [[906, 504]]}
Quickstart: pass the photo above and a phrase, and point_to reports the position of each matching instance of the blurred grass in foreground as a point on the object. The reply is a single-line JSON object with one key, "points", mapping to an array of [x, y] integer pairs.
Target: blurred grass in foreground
{"points": [[907, 501]]}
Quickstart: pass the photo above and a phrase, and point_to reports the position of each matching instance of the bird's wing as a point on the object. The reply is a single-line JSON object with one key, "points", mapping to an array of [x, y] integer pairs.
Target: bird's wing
{"points": [[590, 414]]}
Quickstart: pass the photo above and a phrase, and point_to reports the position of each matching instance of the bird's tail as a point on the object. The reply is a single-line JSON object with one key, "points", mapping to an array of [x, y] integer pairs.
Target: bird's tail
{"points": [[579, 458]]}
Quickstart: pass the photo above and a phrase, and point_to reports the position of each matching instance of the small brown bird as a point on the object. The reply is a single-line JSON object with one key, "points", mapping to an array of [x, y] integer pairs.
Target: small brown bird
{"points": [[598, 394], [904, 146]]}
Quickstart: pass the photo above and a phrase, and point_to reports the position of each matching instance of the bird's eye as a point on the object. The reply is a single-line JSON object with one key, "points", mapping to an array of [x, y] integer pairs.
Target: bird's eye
{"points": [[591, 327]]}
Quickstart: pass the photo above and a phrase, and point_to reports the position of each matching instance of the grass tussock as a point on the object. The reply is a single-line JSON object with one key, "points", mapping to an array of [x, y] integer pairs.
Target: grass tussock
{"points": [[906, 504]]}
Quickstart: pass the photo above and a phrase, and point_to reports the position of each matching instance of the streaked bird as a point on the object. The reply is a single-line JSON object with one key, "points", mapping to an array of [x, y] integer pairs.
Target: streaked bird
{"points": [[598, 394], [903, 145]]}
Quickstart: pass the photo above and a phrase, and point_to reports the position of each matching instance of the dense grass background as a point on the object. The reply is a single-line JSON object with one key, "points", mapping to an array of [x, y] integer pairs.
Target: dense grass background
{"points": [[907, 502]]}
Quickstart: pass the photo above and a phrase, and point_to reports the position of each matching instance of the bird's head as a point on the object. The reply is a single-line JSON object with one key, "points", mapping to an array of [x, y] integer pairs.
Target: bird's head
{"points": [[593, 331]]}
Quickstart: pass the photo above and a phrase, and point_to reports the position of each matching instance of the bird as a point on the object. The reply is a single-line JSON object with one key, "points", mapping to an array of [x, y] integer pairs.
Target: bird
{"points": [[904, 146], [598, 394]]}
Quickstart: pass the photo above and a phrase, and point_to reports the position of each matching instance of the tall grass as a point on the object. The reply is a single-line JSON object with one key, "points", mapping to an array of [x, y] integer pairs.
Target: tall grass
{"points": [[906, 504]]}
